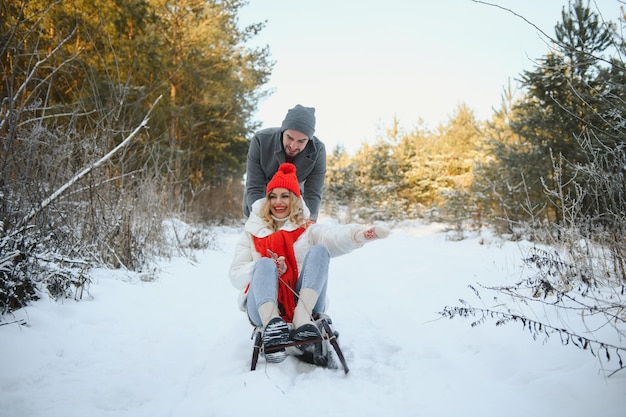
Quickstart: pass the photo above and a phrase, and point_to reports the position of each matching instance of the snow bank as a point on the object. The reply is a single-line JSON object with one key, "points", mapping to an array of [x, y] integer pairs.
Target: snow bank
{"points": [[178, 346]]}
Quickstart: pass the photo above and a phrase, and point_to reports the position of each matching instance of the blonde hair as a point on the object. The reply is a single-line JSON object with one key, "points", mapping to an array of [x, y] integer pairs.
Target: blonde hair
{"points": [[296, 212]]}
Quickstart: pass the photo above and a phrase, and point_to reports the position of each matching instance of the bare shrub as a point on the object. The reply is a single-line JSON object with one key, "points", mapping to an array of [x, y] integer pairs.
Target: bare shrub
{"points": [[581, 267], [64, 210]]}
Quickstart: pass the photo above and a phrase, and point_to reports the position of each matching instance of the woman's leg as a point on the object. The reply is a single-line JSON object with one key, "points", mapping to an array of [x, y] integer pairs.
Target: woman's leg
{"points": [[263, 309], [312, 285], [263, 290]]}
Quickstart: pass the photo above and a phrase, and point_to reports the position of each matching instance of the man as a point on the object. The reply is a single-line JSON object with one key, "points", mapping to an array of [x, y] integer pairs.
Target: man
{"points": [[292, 142]]}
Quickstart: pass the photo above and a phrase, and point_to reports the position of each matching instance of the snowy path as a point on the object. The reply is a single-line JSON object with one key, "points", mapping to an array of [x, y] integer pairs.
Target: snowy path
{"points": [[180, 347]]}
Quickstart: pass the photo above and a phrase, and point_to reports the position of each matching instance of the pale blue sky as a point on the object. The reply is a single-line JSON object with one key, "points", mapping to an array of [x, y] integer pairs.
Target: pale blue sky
{"points": [[362, 62]]}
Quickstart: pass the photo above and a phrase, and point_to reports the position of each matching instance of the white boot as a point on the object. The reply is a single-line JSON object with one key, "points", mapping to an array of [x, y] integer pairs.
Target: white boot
{"points": [[304, 327], [304, 309]]}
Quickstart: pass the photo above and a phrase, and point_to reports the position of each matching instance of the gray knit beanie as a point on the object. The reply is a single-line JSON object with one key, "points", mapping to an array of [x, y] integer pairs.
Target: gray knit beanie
{"points": [[300, 118]]}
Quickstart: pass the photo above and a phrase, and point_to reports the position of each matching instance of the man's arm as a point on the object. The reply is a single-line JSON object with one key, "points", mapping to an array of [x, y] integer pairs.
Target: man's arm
{"points": [[255, 177], [314, 183]]}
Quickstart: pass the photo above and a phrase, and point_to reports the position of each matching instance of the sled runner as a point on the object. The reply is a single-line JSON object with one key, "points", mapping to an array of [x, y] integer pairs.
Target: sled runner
{"points": [[314, 351]]}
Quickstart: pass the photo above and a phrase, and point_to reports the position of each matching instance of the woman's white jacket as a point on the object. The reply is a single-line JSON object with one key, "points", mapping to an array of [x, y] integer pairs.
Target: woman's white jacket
{"points": [[337, 239]]}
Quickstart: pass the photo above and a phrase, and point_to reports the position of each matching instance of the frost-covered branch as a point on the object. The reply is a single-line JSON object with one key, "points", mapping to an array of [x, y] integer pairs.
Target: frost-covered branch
{"points": [[34, 69], [85, 171], [537, 328], [561, 288]]}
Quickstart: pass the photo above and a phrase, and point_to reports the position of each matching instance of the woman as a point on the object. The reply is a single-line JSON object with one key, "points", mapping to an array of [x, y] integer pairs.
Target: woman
{"points": [[281, 262]]}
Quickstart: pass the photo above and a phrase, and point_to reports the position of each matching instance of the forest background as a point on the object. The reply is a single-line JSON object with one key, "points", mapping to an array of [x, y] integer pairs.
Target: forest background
{"points": [[119, 115]]}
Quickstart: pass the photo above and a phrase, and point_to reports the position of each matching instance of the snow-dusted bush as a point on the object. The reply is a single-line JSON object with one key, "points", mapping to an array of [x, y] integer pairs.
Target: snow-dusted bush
{"points": [[578, 278], [66, 205], [15, 287]]}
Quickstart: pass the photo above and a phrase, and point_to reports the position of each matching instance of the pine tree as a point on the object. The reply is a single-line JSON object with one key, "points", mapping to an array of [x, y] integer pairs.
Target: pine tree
{"points": [[212, 85], [560, 100], [499, 189], [457, 149], [375, 170], [340, 188]]}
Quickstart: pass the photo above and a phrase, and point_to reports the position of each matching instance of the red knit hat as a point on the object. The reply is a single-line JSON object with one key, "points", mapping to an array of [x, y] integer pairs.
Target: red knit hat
{"points": [[285, 177]]}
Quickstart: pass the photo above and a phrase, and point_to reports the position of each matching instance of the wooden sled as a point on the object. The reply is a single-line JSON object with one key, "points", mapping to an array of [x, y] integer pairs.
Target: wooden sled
{"points": [[328, 336]]}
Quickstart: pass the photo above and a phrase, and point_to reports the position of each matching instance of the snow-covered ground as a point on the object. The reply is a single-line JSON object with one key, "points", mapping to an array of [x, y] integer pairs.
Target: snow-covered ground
{"points": [[178, 346]]}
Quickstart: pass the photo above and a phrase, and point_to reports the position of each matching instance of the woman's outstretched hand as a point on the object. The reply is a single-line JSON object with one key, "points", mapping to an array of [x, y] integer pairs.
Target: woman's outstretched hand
{"points": [[368, 234]]}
